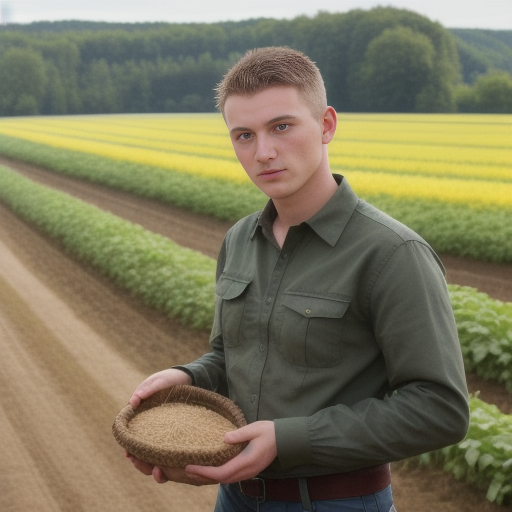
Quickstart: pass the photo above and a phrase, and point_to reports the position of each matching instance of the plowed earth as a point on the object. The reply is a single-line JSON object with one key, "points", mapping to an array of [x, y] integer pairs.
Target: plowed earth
{"points": [[73, 348]]}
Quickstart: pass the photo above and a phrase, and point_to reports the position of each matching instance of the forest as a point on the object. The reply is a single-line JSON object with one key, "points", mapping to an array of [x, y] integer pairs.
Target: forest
{"points": [[381, 60]]}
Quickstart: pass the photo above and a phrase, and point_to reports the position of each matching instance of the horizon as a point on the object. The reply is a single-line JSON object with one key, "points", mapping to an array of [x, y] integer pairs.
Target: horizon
{"points": [[477, 14]]}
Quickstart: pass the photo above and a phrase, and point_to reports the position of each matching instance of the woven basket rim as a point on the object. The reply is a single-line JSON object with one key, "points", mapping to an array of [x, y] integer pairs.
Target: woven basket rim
{"points": [[179, 456]]}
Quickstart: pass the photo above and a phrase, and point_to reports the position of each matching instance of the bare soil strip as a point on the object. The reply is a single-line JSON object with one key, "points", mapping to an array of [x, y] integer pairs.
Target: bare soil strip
{"points": [[64, 377], [74, 346]]}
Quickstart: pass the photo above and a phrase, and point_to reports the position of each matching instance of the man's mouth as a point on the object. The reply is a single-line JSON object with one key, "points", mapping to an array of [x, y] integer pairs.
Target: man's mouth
{"points": [[270, 173]]}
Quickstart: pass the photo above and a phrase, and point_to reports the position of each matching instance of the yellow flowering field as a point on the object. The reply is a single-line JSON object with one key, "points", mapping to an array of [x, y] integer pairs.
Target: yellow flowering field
{"points": [[452, 158]]}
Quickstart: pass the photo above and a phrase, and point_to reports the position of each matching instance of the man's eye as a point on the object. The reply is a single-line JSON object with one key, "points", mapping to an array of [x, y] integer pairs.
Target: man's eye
{"points": [[281, 127], [244, 136]]}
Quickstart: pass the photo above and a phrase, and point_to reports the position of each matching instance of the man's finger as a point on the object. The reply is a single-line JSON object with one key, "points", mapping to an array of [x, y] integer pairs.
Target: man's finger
{"points": [[159, 476], [135, 401]]}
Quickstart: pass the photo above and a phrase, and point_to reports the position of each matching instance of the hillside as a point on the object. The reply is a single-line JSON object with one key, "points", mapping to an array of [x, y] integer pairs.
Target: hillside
{"points": [[481, 51]]}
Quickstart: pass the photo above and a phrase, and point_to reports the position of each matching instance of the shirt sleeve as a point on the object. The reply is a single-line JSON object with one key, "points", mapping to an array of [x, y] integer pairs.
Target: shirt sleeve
{"points": [[209, 371], [427, 406]]}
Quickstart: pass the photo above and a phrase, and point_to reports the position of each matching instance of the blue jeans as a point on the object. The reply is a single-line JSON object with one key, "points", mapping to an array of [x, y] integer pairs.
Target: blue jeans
{"points": [[230, 499]]}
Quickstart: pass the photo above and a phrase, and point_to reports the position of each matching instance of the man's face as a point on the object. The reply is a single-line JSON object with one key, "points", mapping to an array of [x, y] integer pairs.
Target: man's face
{"points": [[277, 140]]}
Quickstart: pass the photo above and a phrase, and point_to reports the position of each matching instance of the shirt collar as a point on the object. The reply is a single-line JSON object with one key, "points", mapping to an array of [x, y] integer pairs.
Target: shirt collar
{"points": [[328, 223], [265, 221]]}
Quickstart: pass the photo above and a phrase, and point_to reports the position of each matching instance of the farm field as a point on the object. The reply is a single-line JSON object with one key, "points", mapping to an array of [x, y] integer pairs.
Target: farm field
{"points": [[449, 177], [102, 343], [127, 343], [449, 158]]}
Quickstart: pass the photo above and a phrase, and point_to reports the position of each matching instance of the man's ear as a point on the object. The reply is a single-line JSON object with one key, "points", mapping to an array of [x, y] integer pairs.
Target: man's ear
{"points": [[329, 123]]}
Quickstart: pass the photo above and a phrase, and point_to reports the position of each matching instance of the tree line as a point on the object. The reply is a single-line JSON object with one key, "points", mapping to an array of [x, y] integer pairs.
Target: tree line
{"points": [[382, 60]]}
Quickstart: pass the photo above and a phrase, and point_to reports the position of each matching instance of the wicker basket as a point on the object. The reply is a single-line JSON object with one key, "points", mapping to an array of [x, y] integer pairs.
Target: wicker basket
{"points": [[179, 426]]}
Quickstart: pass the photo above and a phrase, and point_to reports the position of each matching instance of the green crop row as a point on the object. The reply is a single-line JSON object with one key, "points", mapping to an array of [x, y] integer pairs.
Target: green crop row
{"points": [[180, 282], [222, 199], [455, 229], [485, 334], [484, 457], [483, 234]]}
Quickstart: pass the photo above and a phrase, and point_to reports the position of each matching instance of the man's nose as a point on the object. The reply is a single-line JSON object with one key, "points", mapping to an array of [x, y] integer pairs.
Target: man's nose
{"points": [[265, 149]]}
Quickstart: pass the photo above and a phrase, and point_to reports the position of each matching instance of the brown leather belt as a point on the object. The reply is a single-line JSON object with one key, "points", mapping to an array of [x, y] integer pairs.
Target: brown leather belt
{"points": [[325, 487]]}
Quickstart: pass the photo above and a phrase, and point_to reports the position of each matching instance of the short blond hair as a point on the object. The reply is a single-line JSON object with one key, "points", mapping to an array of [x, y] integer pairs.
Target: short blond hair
{"points": [[273, 66]]}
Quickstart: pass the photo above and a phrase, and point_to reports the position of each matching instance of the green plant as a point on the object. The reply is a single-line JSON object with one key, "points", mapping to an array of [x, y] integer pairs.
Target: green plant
{"points": [[485, 333], [178, 281], [484, 457]]}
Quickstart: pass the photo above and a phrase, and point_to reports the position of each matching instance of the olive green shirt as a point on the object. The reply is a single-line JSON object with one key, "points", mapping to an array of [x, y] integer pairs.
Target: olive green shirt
{"points": [[344, 337]]}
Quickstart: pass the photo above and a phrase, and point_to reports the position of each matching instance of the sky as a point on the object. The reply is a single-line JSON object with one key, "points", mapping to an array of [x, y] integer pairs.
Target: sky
{"points": [[484, 14]]}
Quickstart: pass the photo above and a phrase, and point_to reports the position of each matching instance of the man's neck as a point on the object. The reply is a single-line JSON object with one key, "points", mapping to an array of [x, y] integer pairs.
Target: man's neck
{"points": [[294, 210]]}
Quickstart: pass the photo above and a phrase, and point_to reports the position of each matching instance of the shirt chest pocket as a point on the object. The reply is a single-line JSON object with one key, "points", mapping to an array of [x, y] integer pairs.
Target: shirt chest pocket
{"points": [[232, 294], [311, 326]]}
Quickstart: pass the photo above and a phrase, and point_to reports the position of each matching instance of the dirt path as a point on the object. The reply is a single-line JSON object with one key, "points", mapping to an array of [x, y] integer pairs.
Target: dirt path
{"points": [[72, 353], [73, 349]]}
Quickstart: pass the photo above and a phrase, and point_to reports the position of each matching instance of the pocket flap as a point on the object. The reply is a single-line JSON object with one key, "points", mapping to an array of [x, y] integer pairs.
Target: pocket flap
{"points": [[314, 306], [229, 287]]}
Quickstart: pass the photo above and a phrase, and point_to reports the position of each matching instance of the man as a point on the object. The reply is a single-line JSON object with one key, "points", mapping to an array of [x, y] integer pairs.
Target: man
{"points": [[333, 328]]}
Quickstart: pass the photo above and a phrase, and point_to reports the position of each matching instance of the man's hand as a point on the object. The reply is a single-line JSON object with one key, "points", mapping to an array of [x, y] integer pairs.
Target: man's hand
{"points": [[166, 474], [162, 475], [257, 455], [157, 382]]}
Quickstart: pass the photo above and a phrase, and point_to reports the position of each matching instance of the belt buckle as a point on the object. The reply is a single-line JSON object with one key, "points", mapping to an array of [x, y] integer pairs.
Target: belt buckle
{"points": [[261, 481]]}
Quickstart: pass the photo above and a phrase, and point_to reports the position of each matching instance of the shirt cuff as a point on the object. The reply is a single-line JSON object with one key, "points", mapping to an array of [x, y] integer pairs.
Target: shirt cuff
{"points": [[292, 438], [184, 369]]}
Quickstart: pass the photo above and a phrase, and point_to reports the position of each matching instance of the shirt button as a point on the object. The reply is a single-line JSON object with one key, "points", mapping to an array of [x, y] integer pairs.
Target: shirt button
{"points": [[253, 398], [285, 255], [261, 347], [269, 300], [308, 311]]}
